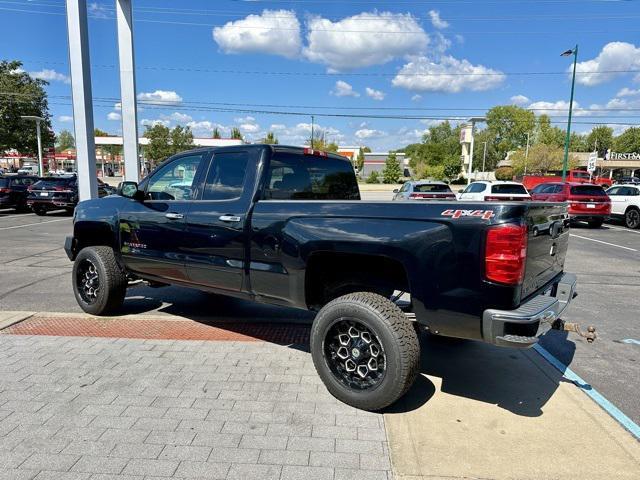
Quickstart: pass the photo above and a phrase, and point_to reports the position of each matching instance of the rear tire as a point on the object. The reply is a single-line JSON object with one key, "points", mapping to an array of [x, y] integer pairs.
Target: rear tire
{"points": [[41, 212], [595, 223], [365, 332], [632, 218], [99, 284]]}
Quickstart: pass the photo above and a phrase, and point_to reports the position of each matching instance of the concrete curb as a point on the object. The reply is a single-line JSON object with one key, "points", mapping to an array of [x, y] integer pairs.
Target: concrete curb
{"points": [[11, 318]]}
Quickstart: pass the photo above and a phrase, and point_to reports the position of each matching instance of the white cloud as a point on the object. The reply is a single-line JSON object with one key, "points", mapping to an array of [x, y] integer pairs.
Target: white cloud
{"points": [[375, 94], [449, 75], [365, 133], [628, 92], [114, 116], [179, 117], [416, 98], [436, 21], [275, 32], [98, 10], [349, 43], [614, 56], [65, 118], [519, 100], [561, 107], [277, 127], [343, 89], [117, 106], [50, 76], [152, 123], [248, 124], [160, 97], [204, 128]]}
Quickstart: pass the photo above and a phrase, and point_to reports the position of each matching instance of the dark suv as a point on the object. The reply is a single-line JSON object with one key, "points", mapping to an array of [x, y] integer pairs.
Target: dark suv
{"points": [[13, 191], [54, 193]]}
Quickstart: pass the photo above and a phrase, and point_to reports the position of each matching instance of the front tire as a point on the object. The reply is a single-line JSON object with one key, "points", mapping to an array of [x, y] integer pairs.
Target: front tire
{"points": [[365, 350], [632, 218], [99, 284]]}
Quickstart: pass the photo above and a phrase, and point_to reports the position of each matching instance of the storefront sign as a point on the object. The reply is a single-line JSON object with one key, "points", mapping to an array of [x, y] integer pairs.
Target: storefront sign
{"points": [[622, 156]]}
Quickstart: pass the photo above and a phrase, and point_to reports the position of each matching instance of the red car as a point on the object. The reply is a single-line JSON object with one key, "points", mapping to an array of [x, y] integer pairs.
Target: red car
{"points": [[573, 176], [587, 202]]}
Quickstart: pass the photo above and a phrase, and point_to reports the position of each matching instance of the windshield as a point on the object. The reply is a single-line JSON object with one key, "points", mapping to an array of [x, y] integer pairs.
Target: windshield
{"points": [[593, 190], [509, 188], [54, 182], [431, 187]]}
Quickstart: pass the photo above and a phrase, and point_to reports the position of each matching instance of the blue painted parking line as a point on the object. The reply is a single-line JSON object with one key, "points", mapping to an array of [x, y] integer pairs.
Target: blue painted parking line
{"points": [[631, 340], [596, 396]]}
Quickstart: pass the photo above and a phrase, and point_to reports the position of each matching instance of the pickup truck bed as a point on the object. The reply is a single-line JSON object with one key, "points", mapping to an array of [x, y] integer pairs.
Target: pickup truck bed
{"points": [[293, 231]]}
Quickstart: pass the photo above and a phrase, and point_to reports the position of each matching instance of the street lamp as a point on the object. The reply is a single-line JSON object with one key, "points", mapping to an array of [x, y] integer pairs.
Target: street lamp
{"points": [[565, 160], [473, 121], [37, 120]]}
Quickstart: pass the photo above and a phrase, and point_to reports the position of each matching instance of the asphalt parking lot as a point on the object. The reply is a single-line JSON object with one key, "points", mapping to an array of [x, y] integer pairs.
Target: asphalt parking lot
{"points": [[607, 261]]}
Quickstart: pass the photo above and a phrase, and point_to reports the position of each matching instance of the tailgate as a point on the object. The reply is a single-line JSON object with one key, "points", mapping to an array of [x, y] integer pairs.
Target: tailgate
{"points": [[547, 247]]}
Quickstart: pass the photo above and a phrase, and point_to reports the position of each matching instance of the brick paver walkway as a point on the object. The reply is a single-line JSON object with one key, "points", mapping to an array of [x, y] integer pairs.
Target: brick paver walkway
{"points": [[105, 409]]}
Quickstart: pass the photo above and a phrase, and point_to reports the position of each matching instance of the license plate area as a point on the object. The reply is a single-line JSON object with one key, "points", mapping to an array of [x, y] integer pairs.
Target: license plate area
{"points": [[591, 205]]}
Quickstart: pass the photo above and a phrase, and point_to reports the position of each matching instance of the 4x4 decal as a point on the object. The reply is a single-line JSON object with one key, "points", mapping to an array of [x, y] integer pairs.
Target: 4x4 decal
{"points": [[484, 214]]}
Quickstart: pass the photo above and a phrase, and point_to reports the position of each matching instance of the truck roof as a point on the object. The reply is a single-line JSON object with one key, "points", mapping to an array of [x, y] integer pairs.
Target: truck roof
{"points": [[275, 148]]}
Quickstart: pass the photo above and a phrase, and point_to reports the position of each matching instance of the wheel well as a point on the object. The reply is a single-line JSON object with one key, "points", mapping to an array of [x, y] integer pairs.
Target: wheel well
{"points": [[631, 207], [93, 235], [330, 275]]}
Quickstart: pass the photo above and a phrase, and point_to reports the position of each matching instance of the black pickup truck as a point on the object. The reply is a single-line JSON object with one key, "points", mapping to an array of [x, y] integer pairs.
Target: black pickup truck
{"points": [[286, 226]]}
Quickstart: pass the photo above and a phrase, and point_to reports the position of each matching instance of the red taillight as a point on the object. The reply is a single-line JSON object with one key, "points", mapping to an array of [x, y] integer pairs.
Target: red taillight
{"points": [[59, 189], [317, 153], [505, 254], [5, 190], [432, 195], [493, 199]]}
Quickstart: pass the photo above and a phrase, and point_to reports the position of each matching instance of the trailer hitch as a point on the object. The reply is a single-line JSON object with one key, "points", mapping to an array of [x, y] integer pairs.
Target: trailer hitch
{"points": [[561, 325]]}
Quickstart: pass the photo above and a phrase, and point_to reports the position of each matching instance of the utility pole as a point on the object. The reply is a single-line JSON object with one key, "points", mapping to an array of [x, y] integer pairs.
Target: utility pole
{"points": [[565, 160], [311, 142], [526, 155]]}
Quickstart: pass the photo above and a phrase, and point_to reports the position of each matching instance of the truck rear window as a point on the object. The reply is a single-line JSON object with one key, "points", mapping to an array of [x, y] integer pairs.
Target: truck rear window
{"points": [[428, 188], [508, 189], [4, 182], [593, 190], [294, 176]]}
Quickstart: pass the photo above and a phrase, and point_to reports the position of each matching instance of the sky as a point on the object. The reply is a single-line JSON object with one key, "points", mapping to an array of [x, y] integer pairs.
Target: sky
{"points": [[266, 65]]}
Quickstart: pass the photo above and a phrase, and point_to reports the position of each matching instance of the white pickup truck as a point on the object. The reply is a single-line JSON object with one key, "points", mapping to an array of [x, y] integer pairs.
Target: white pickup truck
{"points": [[625, 203]]}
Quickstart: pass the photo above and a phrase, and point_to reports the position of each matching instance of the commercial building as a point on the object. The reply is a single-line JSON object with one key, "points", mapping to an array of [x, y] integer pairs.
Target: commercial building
{"points": [[374, 162]]}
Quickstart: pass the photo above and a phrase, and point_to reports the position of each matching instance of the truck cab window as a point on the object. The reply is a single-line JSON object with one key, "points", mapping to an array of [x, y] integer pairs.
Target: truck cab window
{"points": [[174, 181], [225, 178], [309, 177]]}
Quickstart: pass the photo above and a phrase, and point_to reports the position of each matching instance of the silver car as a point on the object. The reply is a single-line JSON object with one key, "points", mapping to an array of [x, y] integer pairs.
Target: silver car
{"points": [[424, 190]]}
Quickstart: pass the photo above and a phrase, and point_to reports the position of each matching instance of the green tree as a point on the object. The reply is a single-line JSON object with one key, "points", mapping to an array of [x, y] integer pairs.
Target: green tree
{"points": [[392, 171], [600, 138], [270, 139], [509, 125], [216, 133], [22, 95], [542, 158], [373, 177], [321, 142], [181, 139], [236, 133], [360, 159], [577, 142], [65, 140], [628, 141], [492, 157], [547, 134]]}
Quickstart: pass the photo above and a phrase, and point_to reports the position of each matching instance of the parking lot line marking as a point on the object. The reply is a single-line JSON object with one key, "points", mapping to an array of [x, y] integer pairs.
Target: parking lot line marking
{"points": [[33, 224], [600, 241], [17, 215], [631, 340], [596, 396], [624, 229]]}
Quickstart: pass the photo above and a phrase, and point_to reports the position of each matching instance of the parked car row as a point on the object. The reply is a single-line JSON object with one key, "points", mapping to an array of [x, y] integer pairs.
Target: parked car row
{"points": [[41, 195], [587, 202]]}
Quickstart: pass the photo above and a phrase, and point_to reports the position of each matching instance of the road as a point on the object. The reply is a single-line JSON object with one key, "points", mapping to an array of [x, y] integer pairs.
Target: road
{"points": [[607, 261]]}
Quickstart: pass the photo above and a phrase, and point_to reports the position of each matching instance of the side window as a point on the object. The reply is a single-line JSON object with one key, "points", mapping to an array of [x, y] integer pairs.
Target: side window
{"points": [[174, 181], [294, 176], [634, 191], [614, 191], [405, 187], [476, 188], [225, 178]]}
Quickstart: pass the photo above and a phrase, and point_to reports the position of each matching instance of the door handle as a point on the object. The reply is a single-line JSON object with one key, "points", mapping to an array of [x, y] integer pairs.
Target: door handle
{"points": [[230, 218], [174, 216]]}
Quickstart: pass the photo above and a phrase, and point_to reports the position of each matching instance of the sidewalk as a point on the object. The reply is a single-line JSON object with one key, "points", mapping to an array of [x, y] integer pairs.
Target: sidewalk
{"points": [[244, 401]]}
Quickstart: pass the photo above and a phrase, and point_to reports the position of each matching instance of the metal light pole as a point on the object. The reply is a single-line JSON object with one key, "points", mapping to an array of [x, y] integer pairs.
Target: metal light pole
{"points": [[565, 160], [484, 156], [473, 121], [311, 142], [37, 120], [526, 155]]}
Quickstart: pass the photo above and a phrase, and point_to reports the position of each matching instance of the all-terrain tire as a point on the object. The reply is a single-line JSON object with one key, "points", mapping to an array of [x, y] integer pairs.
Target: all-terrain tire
{"points": [[112, 281], [595, 223], [395, 334], [632, 218]]}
